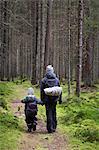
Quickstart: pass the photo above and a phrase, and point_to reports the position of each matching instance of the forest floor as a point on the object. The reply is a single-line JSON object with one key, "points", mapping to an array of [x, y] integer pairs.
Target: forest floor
{"points": [[78, 121], [40, 139]]}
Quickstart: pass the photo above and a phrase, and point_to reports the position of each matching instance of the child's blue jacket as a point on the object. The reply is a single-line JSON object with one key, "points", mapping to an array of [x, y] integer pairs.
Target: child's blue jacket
{"points": [[31, 99]]}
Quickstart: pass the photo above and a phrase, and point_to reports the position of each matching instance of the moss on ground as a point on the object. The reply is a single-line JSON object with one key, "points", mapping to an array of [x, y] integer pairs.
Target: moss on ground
{"points": [[77, 118], [10, 128]]}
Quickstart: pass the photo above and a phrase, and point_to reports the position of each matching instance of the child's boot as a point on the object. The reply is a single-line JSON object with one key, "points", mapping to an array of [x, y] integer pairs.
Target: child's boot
{"points": [[29, 127]]}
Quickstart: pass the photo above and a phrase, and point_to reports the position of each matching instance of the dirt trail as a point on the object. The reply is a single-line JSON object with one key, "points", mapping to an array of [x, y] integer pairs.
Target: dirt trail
{"points": [[40, 139]]}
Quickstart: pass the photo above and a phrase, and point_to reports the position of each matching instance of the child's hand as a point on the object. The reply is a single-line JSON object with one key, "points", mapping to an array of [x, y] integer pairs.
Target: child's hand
{"points": [[22, 101]]}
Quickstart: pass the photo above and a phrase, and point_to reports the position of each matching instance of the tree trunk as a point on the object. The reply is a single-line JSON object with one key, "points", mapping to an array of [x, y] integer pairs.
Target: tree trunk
{"points": [[69, 47], [43, 33], [35, 38], [80, 47], [48, 33], [88, 61]]}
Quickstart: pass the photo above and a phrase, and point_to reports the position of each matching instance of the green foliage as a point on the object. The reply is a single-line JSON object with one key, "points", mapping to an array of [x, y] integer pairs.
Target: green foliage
{"points": [[19, 81], [8, 138], [26, 84], [8, 120], [4, 89], [9, 125], [83, 108], [79, 117], [3, 103], [41, 113], [88, 130], [9, 131]]}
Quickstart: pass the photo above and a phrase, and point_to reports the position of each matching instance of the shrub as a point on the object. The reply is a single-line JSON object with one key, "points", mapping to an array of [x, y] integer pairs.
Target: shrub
{"points": [[88, 130], [79, 116], [4, 89], [3, 103], [20, 81], [9, 120]]}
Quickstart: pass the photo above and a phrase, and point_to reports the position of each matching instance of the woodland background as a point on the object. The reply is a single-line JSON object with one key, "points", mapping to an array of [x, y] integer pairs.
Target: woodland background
{"points": [[35, 33], [65, 34]]}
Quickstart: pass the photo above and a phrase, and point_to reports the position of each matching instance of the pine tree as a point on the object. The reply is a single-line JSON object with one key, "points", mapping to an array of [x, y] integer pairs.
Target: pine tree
{"points": [[80, 47]]}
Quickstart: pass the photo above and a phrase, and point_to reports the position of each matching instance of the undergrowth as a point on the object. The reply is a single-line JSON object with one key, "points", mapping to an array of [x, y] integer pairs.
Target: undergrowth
{"points": [[79, 117], [5, 91], [9, 124]]}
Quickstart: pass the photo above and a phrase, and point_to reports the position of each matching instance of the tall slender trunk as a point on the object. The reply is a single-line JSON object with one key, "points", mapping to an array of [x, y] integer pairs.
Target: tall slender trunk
{"points": [[48, 33], [43, 33], [69, 47], [88, 62], [80, 47], [1, 26], [89, 40], [3, 40], [35, 37]]}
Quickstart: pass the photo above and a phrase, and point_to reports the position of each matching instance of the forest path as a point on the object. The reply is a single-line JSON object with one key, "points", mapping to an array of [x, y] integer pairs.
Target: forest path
{"points": [[39, 139]]}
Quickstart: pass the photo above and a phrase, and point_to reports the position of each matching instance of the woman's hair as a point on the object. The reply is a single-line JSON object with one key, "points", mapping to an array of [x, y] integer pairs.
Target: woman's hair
{"points": [[49, 68]]}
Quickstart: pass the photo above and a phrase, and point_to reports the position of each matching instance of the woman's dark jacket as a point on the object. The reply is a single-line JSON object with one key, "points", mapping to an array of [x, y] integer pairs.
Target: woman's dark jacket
{"points": [[45, 98]]}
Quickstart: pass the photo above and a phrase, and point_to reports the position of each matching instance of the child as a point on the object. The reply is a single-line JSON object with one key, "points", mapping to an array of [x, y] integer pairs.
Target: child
{"points": [[31, 109]]}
